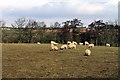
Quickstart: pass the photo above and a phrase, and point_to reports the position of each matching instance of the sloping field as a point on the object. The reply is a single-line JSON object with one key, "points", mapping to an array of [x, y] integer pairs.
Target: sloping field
{"points": [[33, 60]]}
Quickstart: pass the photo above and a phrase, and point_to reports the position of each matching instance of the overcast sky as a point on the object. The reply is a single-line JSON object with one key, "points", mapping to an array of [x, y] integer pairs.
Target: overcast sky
{"points": [[59, 10]]}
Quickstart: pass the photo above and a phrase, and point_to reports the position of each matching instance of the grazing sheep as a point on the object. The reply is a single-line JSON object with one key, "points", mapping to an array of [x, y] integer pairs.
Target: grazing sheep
{"points": [[86, 43], [87, 52], [80, 43], [63, 47], [54, 47], [71, 46], [108, 45], [90, 45]]}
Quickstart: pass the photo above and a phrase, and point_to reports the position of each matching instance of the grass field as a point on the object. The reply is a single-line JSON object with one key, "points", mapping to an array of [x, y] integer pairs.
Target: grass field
{"points": [[35, 61]]}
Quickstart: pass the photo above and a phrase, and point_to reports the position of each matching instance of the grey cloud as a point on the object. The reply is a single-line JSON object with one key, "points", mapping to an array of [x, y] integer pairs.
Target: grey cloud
{"points": [[61, 10], [46, 11]]}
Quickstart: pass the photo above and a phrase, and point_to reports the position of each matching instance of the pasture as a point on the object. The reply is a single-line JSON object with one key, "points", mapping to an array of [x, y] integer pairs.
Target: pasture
{"points": [[36, 61]]}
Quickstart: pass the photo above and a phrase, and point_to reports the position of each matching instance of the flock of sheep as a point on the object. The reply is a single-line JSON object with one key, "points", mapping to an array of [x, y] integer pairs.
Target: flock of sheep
{"points": [[72, 45]]}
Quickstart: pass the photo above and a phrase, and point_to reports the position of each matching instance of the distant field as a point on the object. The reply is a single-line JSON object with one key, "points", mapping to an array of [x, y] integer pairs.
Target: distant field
{"points": [[36, 60]]}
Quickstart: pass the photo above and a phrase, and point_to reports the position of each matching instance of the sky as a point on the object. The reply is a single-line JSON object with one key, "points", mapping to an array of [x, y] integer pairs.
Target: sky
{"points": [[51, 11]]}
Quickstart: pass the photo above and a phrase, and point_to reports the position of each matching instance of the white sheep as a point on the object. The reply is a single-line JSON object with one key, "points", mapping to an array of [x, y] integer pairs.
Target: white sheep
{"points": [[63, 47], [71, 46], [108, 45], [91, 45], [68, 42], [87, 52], [86, 43], [38, 42], [80, 43], [54, 47]]}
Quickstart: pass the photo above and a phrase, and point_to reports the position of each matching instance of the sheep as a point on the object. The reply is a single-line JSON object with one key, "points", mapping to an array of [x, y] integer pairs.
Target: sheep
{"points": [[90, 45], [80, 43], [38, 42], [63, 47], [54, 47], [72, 45], [68, 42], [108, 45], [87, 52], [86, 43]]}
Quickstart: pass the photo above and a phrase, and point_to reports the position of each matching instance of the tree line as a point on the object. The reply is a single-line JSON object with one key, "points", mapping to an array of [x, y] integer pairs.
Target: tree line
{"points": [[32, 31]]}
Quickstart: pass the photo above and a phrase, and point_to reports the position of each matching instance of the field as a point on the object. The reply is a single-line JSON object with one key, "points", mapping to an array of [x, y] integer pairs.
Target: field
{"points": [[36, 61]]}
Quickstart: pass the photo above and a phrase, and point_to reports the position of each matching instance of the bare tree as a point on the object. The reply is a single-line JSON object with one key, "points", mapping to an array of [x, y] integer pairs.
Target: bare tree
{"points": [[20, 25], [29, 28], [41, 25], [57, 24]]}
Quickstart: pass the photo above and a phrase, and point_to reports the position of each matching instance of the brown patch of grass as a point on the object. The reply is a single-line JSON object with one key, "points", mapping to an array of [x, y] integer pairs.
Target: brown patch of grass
{"points": [[33, 60]]}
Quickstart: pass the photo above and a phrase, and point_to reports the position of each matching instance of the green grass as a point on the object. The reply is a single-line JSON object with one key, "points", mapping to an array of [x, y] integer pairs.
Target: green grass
{"points": [[36, 60]]}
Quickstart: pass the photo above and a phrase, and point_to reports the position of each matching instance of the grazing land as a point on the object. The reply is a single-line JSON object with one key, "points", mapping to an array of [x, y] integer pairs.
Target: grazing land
{"points": [[36, 61]]}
